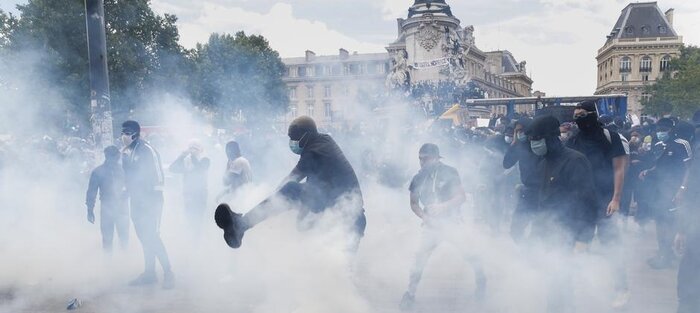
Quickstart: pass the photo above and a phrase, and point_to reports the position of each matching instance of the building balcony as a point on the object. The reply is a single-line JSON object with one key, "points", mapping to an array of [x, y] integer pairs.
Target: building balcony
{"points": [[625, 69], [645, 69]]}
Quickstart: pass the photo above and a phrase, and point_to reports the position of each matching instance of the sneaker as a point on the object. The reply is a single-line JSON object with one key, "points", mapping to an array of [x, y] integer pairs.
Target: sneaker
{"points": [[231, 223], [144, 279], [407, 302], [168, 280], [623, 297], [659, 263]]}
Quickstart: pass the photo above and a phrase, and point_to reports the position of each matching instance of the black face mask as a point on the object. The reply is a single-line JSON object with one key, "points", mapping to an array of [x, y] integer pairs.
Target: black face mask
{"points": [[588, 122]]}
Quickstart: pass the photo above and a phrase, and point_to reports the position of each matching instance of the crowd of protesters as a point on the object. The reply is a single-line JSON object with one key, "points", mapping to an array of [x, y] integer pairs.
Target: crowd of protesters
{"points": [[585, 178]]}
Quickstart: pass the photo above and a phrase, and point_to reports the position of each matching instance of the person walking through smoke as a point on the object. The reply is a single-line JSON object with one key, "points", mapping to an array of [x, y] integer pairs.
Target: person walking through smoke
{"points": [[330, 183], [520, 153], [238, 172], [567, 207], [438, 188], [668, 177], [608, 156], [144, 183], [194, 167], [108, 180]]}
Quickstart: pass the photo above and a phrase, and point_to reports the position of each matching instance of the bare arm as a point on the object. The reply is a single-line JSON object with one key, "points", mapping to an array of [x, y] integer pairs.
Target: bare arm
{"points": [[415, 205]]}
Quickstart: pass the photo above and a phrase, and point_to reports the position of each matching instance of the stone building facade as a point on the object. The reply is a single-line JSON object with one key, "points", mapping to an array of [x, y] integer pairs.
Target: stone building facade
{"points": [[431, 46], [637, 52]]}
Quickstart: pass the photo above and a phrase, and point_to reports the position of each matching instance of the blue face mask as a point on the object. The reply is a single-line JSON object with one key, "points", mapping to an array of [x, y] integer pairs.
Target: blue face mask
{"points": [[294, 146], [663, 136], [522, 137], [539, 147]]}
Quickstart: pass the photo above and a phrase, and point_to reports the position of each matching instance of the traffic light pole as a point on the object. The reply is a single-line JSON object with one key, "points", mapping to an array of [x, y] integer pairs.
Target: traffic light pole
{"points": [[100, 108]]}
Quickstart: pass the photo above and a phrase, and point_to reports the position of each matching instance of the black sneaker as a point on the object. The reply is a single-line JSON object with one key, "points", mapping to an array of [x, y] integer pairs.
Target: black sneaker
{"points": [[231, 223], [168, 280], [144, 279], [407, 302]]}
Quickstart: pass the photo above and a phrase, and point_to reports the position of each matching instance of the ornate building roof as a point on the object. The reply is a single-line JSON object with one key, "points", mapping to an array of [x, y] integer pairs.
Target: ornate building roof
{"points": [[436, 7], [642, 20]]}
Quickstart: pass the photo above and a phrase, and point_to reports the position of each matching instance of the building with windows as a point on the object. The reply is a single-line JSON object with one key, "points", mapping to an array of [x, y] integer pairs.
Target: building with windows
{"points": [[637, 52], [431, 46]]}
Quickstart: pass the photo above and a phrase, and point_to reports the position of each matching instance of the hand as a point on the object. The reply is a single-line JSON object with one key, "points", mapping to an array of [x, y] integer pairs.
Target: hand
{"points": [[580, 247], [613, 207], [91, 216], [679, 244]]}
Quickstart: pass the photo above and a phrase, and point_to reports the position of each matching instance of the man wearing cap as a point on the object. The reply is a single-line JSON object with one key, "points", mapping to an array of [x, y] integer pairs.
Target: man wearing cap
{"points": [[436, 197], [144, 184], [566, 205], [330, 183], [108, 180], [668, 178], [608, 156]]}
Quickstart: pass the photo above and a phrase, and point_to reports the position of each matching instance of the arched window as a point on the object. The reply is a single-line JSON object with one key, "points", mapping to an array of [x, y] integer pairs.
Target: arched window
{"points": [[645, 64], [625, 64], [665, 62]]}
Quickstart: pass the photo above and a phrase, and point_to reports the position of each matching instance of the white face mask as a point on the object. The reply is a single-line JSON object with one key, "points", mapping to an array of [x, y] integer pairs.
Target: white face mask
{"points": [[127, 139], [508, 139]]}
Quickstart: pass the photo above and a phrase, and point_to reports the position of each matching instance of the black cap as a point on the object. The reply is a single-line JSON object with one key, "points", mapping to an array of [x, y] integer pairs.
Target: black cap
{"points": [[544, 126], [300, 126], [429, 149], [131, 127], [587, 105], [665, 123]]}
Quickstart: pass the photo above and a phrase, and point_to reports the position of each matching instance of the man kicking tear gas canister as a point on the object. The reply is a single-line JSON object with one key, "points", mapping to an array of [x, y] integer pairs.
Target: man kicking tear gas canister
{"points": [[330, 179]]}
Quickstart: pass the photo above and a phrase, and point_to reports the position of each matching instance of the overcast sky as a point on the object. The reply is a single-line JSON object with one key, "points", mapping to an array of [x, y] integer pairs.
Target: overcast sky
{"points": [[558, 38]]}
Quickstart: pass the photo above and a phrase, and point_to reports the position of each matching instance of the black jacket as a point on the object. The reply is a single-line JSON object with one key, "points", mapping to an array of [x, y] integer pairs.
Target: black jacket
{"points": [[108, 180], [527, 161], [144, 173], [568, 192]]}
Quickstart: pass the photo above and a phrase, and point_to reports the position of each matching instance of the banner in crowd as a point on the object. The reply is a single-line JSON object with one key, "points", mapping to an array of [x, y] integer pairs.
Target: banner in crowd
{"points": [[431, 63]]}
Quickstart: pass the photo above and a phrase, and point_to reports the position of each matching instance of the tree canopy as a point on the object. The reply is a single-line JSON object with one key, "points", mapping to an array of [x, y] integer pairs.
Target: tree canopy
{"points": [[47, 43], [677, 91]]}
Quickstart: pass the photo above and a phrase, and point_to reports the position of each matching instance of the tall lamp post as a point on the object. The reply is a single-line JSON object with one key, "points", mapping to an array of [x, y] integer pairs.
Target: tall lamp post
{"points": [[100, 108]]}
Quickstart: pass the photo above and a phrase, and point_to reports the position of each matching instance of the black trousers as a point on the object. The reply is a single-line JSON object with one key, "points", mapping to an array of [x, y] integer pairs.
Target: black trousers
{"points": [[310, 200], [146, 212], [114, 216], [524, 210]]}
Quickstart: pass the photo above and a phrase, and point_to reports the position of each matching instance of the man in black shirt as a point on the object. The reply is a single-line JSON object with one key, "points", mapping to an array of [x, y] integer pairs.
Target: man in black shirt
{"points": [[567, 204], [519, 152], [330, 183], [609, 158], [108, 180], [438, 188], [667, 177]]}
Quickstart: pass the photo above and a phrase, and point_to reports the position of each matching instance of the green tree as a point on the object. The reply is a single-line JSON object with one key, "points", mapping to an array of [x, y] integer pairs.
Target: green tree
{"points": [[143, 51], [239, 74], [677, 92]]}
